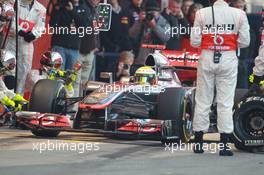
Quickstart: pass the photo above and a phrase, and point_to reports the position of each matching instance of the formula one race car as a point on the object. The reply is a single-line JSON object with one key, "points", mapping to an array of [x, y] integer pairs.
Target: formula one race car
{"points": [[163, 107], [122, 108]]}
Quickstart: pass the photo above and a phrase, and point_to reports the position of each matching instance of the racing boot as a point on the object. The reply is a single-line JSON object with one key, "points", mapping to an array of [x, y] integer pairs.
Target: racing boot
{"points": [[198, 140], [225, 149]]}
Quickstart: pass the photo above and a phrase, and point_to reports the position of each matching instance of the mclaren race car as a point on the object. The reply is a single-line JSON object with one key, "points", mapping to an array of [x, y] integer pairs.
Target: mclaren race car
{"points": [[163, 110]]}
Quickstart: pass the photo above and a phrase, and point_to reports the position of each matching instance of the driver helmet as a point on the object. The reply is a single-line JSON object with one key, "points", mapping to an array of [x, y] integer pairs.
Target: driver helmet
{"points": [[8, 60], [51, 59], [145, 75]]}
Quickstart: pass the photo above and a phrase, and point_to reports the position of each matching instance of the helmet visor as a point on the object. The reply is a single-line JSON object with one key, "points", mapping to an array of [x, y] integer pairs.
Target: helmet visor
{"points": [[144, 79]]}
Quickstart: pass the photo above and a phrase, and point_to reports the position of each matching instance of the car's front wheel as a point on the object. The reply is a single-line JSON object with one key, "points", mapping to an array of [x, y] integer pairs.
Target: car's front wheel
{"points": [[48, 96]]}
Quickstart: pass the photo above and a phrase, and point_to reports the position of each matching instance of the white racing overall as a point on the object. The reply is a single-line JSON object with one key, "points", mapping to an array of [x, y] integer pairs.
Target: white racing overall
{"points": [[232, 33]]}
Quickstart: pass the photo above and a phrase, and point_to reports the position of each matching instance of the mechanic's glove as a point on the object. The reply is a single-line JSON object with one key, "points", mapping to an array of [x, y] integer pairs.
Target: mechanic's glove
{"points": [[69, 90], [61, 73], [18, 107], [8, 102], [69, 87], [256, 79], [29, 37], [19, 98], [52, 75], [74, 77], [22, 33]]}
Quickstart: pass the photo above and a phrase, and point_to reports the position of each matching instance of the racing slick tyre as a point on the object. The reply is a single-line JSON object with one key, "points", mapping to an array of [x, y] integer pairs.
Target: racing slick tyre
{"points": [[248, 117], [175, 107], [47, 97], [45, 133]]}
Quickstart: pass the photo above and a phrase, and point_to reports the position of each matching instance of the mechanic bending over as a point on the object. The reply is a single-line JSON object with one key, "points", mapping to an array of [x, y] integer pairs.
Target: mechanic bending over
{"points": [[219, 30], [258, 70], [8, 97]]}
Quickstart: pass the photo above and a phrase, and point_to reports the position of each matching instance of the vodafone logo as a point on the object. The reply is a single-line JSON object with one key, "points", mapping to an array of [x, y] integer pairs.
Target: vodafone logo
{"points": [[25, 25], [219, 40]]}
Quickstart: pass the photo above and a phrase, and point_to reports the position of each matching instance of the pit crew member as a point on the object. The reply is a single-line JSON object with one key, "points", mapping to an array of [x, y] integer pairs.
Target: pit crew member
{"points": [[6, 12], [258, 70], [31, 19], [8, 97], [51, 63], [219, 30]]}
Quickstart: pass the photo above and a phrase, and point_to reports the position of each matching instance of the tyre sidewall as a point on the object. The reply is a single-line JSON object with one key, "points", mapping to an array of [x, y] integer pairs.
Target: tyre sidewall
{"points": [[239, 135]]}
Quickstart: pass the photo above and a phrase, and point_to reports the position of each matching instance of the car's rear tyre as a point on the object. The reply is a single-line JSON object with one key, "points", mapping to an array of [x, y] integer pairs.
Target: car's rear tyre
{"points": [[249, 124], [176, 109], [48, 96]]}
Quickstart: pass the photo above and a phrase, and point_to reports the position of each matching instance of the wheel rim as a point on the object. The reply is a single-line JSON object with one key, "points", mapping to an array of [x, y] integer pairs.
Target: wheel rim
{"points": [[252, 123], [187, 123]]}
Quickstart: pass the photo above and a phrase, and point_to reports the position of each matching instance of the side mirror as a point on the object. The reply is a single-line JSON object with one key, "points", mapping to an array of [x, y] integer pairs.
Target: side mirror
{"points": [[104, 16], [107, 75]]}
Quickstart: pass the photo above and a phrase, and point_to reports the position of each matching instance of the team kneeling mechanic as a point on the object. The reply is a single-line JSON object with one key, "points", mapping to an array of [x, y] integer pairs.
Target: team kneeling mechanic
{"points": [[8, 97]]}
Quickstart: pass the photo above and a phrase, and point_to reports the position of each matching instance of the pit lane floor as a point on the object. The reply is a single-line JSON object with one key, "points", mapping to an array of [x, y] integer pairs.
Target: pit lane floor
{"points": [[20, 155]]}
